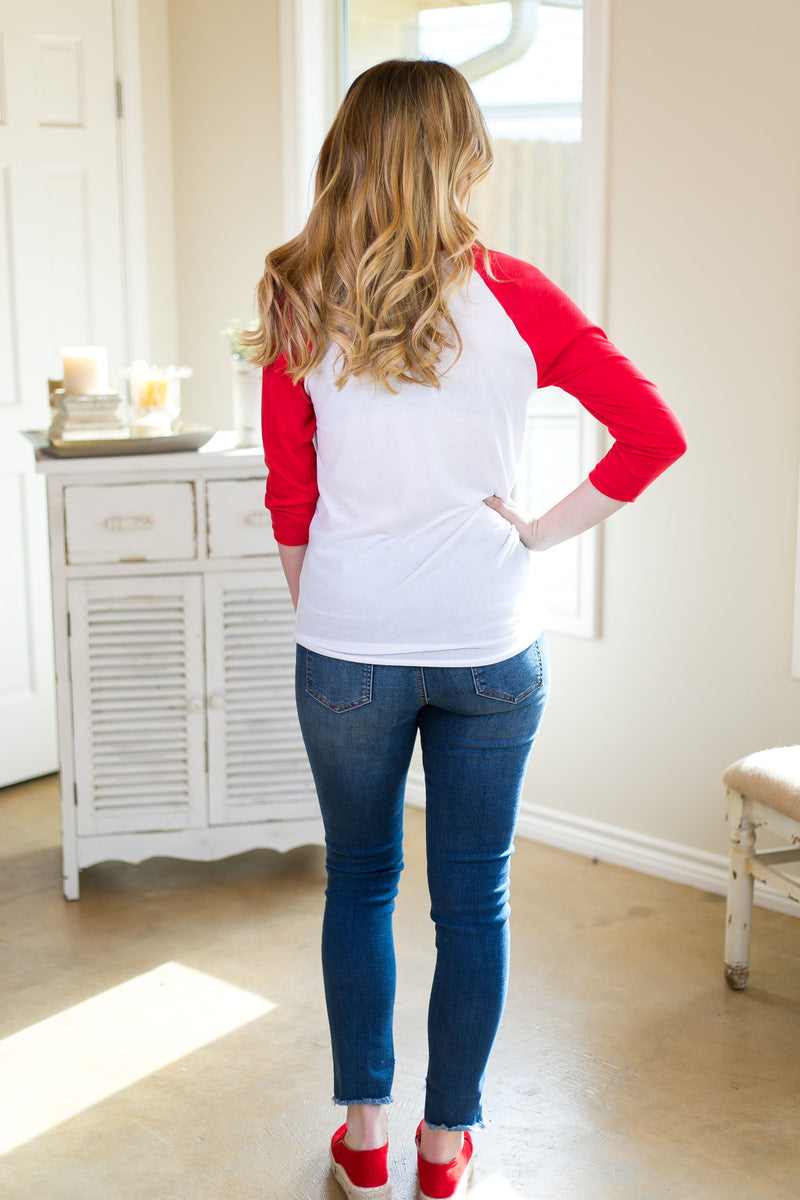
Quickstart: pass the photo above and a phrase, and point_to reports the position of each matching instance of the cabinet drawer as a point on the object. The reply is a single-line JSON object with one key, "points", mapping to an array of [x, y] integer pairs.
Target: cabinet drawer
{"points": [[238, 523], [135, 522]]}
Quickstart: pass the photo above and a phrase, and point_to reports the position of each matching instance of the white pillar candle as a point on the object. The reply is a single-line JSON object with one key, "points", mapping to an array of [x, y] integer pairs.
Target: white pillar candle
{"points": [[85, 370]]}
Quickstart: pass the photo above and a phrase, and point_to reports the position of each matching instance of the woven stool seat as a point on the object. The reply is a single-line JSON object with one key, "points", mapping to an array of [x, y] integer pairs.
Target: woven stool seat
{"points": [[770, 776], [763, 793]]}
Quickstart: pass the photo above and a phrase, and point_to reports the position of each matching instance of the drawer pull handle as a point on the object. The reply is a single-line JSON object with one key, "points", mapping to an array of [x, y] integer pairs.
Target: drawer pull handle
{"points": [[216, 701], [259, 519], [195, 705], [127, 524]]}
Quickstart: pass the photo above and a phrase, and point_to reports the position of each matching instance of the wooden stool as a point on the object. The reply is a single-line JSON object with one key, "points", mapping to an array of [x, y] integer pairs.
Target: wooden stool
{"points": [[763, 792]]}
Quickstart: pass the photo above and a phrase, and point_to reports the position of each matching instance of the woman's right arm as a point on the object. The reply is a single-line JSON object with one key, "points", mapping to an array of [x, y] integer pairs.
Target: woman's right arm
{"points": [[292, 563], [288, 426]]}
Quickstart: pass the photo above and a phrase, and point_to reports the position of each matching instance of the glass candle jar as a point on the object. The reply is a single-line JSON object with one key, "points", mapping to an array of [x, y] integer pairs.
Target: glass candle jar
{"points": [[155, 398]]}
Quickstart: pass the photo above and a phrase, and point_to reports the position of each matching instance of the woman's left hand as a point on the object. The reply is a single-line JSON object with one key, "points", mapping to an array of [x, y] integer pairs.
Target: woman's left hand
{"points": [[526, 527], [577, 512]]}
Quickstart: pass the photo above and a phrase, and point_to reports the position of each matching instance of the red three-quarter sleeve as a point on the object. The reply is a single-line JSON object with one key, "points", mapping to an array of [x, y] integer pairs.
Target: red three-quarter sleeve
{"points": [[288, 426], [574, 354]]}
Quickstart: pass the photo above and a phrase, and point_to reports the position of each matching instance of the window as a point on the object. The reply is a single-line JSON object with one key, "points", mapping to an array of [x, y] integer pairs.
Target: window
{"points": [[538, 69]]}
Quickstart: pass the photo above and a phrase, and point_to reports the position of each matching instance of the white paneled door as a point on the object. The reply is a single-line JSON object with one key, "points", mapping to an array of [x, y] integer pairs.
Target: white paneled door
{"points": [[61, 283]]}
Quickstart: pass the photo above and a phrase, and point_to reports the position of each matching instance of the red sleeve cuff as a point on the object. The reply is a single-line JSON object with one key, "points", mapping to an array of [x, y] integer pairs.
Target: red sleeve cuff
{"points": [[624, 473], [290, 526]]}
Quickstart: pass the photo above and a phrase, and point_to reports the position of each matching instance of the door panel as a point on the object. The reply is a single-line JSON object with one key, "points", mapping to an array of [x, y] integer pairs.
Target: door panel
{"points": [[61, 283], [28, 743], [58, 150]]}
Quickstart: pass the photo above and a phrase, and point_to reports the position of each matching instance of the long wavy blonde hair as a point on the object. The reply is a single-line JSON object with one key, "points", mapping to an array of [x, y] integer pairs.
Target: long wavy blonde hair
{"points": [[388, 239]]}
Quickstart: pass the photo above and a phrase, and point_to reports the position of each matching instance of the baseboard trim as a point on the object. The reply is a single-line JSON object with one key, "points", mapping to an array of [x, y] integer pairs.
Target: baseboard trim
{"points": [[624, 848]]}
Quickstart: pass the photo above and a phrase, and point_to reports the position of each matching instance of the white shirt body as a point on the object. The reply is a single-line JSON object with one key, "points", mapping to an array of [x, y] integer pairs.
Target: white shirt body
{"points": [[405, 563]]}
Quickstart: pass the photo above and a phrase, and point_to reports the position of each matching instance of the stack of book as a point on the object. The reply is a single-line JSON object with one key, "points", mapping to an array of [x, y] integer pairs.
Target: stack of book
{"points": [[88, 418]]}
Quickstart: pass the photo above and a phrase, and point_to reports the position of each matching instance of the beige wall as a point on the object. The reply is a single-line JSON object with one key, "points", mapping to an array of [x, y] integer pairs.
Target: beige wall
{"points": [[224, 124], [693, 666], [158, 182], [693, 669]]}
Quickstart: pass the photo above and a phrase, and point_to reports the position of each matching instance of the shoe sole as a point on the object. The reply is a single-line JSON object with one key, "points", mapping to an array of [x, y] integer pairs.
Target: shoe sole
{"points": [[384, 1192], [461, 1189]]}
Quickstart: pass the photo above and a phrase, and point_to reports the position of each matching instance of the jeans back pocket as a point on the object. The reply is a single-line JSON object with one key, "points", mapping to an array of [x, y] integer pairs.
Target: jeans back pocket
{"points": [[512, 680], [338, 684]]}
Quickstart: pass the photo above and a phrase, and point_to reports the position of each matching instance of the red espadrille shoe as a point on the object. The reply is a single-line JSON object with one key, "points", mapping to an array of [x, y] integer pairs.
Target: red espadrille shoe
{"points": [[361, 1174], [445, 1181]]}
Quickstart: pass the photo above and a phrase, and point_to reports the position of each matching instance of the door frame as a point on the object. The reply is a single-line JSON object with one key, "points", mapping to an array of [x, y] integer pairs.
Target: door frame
{"points": [[130, 159]]}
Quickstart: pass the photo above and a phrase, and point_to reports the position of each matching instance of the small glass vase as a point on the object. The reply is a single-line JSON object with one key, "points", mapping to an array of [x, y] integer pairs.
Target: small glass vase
{"points": [[246, 402]]}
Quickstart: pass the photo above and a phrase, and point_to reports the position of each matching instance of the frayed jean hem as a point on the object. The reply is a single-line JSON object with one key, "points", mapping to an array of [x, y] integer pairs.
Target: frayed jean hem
{"points": [[458, 1128], [348, 1103]]}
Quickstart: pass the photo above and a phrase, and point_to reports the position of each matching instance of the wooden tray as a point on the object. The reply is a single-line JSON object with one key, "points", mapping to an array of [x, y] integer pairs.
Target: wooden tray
{"points": [[191, 437]]}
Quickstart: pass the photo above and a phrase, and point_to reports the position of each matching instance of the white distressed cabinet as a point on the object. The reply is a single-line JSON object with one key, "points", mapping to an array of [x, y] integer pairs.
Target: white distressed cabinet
{"points": [[175, 661]]}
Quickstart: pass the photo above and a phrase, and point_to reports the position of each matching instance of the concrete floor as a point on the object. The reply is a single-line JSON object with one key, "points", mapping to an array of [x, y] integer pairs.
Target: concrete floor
{"points": [[164, 1038]]}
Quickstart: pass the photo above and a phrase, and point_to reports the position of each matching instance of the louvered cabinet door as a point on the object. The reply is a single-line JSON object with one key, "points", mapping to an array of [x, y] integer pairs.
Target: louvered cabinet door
{"points": [[138, 700], [257, 765]]}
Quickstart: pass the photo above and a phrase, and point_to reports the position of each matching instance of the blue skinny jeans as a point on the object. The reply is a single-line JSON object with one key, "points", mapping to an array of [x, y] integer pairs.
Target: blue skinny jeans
{"points": [[477, 726]]}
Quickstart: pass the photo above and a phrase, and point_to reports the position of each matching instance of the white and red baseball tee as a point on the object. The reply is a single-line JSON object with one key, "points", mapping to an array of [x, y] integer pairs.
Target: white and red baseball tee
{"points": [[405, 563]]}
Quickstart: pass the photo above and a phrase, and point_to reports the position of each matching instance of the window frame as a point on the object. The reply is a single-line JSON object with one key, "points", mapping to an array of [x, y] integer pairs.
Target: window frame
{"points": [[591, 439]]}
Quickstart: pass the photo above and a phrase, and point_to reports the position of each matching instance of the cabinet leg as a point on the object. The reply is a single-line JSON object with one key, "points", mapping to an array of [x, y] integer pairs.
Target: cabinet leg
{"points": [[739, 911], [72, 888]]}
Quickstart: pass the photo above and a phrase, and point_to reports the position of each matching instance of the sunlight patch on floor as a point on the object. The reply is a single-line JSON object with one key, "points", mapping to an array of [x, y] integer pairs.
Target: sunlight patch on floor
{"points": [[494, 1188], [53, 1070]]}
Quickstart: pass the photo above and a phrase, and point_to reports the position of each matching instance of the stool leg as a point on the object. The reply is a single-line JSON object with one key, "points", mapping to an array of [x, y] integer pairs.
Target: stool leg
{"points": [[739, 911]]}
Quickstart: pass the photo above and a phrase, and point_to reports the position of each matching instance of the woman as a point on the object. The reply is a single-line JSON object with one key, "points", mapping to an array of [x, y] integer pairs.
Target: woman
{"points": [[399, 356]]}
